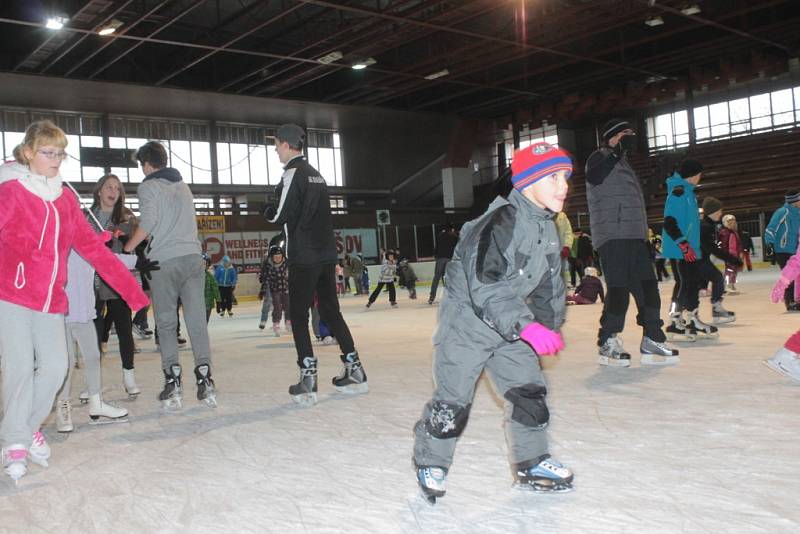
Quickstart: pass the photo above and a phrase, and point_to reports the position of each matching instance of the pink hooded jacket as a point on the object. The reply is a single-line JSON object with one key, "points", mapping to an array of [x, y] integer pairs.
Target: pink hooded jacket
{"points": [[37, 231]]}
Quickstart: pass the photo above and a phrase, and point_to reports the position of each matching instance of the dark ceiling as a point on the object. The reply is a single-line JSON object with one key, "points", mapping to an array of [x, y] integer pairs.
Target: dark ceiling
{"points": [[501, 55]]}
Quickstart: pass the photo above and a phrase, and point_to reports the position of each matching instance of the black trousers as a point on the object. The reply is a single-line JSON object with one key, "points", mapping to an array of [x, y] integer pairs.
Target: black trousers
{"points": [[226, 299], [304, 281], [629, 272], [788, 295], [708, 271], [686, 292], [377, 291], [120, 314], [661, 269]]}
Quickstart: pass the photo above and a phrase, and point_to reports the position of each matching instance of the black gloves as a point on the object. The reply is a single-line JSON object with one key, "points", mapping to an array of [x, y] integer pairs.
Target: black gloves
{"points": [[145, 266]]}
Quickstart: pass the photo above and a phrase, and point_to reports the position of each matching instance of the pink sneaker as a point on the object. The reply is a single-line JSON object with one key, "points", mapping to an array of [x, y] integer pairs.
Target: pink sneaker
{"points": [[15, 461]]}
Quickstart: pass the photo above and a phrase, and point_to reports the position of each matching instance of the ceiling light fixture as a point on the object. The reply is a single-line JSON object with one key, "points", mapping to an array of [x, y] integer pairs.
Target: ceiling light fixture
{"points": [[363, 64], [56, 22], [334, 56], [692, 9], [654, 21], [110, 28], [439, 74]]}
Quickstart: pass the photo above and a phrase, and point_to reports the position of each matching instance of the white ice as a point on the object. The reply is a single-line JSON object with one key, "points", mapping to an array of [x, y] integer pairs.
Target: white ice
{"points": [[710, 445]]}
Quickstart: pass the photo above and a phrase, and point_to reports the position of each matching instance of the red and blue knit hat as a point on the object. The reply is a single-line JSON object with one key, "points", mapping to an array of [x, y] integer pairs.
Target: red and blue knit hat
{"points": [[533, 163]]}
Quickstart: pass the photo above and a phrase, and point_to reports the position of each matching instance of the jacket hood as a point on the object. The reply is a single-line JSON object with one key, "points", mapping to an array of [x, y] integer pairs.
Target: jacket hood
{"points": [[48, 189], [677, 180], [167, 173]]}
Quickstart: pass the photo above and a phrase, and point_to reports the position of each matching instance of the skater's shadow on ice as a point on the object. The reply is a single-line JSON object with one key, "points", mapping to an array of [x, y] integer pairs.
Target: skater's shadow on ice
{"points": [[7, 488], [275, 346], [608, 378]]}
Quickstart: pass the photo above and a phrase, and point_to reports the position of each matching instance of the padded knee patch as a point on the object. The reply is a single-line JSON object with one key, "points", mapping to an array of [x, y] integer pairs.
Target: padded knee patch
{"points": [[447, 419], [530, 408]]}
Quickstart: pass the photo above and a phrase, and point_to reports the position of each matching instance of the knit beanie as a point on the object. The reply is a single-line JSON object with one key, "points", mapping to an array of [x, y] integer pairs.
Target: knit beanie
{"points": [[792, 196], [613, 127], [533, 163], [711, 205], [690, 168]]}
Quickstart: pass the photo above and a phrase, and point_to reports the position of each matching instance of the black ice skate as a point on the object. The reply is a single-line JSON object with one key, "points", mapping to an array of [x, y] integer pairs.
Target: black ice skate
{"points": [[352, 379], [612, 354], [543, 475], [171, 396], [702, 329], [305, 391], [720, 315], [206, 391], [678, 330], [432, 481], [655, 353]]}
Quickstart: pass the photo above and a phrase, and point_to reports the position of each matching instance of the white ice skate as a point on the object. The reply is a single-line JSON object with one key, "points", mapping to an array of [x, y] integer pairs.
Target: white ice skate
{"points": [[15, 461], [703, 330], [101, 413], [786, 363], [129, 382], [547, 475], [39, 452], [64, 417]]}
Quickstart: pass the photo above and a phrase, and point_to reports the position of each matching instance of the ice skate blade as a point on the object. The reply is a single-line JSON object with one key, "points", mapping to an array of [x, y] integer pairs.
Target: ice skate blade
{"points": [[431, 496], [780, 370], [172, 404], [612, 362], [38, 460], [562, 487], [96, 420], [704, 335], [353, 389], [305, 399], [210, 401], [724, 320], [685, 338], [653, 359]]}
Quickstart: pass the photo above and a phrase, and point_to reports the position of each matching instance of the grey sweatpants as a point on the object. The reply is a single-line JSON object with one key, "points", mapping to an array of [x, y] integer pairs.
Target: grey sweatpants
{"points": [[183, 277], [82, 336], [462, 351], [34, 349]]}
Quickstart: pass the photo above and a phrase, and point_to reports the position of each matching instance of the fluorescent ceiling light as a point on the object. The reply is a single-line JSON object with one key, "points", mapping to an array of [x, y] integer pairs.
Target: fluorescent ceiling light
{"points": [[327, 59], [110, 28], [56, 23], [654, 21], [439, 74], [363, 64], [693, 9]]}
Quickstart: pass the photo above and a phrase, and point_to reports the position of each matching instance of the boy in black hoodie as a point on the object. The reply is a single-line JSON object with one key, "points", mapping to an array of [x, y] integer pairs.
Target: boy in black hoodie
{"points": [[712, 212]]}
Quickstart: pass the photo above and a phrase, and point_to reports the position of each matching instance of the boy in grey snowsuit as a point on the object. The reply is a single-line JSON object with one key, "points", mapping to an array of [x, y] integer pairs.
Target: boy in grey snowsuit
{"points": [[505, 297]]}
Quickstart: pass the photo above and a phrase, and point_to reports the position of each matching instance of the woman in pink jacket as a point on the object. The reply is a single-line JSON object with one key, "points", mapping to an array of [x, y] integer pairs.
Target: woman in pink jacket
{"points": [[732, 244], [40, 221]]}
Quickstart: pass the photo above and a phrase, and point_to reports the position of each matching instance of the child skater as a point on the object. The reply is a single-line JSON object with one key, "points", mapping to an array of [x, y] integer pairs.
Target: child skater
{"points": [[278, 281], [40, 222], [407, 278], [732, 244], [503, 307], [787, 360], [211, 292], [388, 270], [588, 290]]}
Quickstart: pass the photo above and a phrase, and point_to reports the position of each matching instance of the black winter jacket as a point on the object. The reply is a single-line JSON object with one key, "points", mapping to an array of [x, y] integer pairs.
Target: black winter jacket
{"points": [[304, 209]]}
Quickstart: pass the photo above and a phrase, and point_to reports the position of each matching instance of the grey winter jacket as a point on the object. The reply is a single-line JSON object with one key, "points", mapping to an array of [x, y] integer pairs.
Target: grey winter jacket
{"points": [[616, 202], [507, 268]]}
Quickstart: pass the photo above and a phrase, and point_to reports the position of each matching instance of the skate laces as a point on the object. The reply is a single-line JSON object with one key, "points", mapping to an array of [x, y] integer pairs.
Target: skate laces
{"points": [[16, 455], [38, 439], [66, 410]]}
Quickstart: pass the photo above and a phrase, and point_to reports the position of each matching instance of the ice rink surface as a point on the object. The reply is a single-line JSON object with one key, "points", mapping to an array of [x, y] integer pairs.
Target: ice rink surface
{"points": [[710, 445]]}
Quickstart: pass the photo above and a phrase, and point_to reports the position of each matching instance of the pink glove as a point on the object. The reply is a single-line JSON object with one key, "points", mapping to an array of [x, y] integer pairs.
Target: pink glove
{"points": [[780, 288], [543, 340], [105, 236]]}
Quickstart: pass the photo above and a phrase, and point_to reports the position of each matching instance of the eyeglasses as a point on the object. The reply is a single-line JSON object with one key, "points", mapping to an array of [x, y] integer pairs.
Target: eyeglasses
{"points": [[50, 154]]}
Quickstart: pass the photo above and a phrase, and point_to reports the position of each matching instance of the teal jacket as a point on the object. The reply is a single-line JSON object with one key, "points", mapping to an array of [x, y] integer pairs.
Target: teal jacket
{"points": [[681, 218], [782, 230]]}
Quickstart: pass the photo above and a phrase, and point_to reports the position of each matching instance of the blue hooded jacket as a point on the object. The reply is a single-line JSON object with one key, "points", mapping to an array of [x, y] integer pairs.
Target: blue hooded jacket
{"points": [[782, 230], [681, 208]]}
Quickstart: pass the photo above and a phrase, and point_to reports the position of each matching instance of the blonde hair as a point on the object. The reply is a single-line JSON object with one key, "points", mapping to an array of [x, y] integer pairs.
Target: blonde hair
{"points": [[19, 157], [43, 133]]}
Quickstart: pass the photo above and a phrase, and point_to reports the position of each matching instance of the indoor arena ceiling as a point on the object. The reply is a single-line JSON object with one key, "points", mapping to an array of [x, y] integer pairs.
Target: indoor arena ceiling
{"points": [[478, 58]]}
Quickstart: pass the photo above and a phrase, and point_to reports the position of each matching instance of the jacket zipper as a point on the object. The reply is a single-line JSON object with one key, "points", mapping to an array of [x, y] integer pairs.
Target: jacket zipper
{"points": [[55, 261]]}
